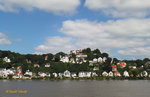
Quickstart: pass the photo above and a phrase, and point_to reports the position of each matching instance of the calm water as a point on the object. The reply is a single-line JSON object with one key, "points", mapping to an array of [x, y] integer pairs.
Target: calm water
{"points": [[82, 88]]}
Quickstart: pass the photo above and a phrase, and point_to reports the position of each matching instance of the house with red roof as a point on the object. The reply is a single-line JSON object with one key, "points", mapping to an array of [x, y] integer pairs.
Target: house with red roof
{"points": [[114, 68], [122, 64]]}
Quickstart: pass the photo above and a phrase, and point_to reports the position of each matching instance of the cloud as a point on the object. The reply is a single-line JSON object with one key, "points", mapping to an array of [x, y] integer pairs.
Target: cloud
{"points": [[112, 34], [109, 35], [4, 40], [120, 8], [52, 6], [140, 51], [55, 44]]}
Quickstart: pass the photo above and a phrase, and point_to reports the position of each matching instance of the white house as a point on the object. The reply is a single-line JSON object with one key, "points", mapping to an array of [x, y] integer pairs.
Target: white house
{"points": [[95, 60], [48, 74], [64, 59], [81, 58], [42, 74], [36, 65], [125, 74], [105, 74], [28, 73], [67, 73], [47, 65], [117, 74], [100, 60], [73, 75], [55, 74], [3, 73], [11, 71], [110, 74], [94, 74], [72, 60], [144, 74], [60, 75], [104, 59], [84, 74], [7, 60]]}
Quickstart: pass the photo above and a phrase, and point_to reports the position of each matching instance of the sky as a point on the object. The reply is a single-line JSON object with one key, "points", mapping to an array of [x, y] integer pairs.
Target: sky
{"points": [[118, 27]]}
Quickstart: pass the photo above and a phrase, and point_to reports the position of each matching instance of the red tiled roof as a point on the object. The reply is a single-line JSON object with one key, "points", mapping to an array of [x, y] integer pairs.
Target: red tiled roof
{"points": [[114, 66], [122, 64]]}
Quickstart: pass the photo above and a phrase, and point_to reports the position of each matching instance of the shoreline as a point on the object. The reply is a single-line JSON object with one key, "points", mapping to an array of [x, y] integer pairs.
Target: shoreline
{"points": [[94, 78]]}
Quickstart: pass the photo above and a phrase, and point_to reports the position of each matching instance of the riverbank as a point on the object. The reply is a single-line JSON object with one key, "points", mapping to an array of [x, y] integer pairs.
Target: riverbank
{"points": [[77, 78]]}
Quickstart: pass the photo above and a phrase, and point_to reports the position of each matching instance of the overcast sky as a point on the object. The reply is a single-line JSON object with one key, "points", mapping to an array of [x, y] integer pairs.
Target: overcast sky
{"points": [[118, 27]]}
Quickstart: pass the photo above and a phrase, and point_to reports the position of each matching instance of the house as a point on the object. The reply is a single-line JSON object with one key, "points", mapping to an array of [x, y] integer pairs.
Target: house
{"points": [[67, 73], [36, 65], [91, 63], [132, 67], [100, 60], [104, 59], [11, 71], [73, 75], [80, 58], [117, 74], [122, 64], [7, 60], [94, 74], [110, 74], [48, 74], [76, 51], [125, 74], [29, 73], [114, 68], [28, 61], [60, 75], [144, 74], [42, 74], [105, 74], [55, 74], [3, 73], [72, 60], [46, 57], [19, 73], [47, 65], [64, 59], [95, 60], [84, 74], [142, 66], [96, 68]]}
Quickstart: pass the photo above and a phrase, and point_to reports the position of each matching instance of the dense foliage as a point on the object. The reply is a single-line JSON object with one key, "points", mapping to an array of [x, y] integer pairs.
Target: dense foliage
{"points": [[27, 62]]}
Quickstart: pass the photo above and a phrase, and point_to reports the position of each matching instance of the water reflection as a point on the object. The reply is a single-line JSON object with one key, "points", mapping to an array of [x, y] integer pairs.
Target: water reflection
{"points": [[76, 88]]}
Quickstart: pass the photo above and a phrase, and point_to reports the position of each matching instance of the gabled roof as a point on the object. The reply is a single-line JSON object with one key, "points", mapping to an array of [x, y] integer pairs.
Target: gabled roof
{"points": [[122, 64], [114, 66]]}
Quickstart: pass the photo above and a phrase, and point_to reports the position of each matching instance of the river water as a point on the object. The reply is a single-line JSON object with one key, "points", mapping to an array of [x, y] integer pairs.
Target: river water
{"points": [[75, 88]]}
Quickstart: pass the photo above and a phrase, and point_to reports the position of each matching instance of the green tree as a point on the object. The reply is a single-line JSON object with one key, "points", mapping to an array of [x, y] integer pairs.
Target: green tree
{"points": [[97, 53], [134, 72], [58, 55], [105, 55], [139, 62]]}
